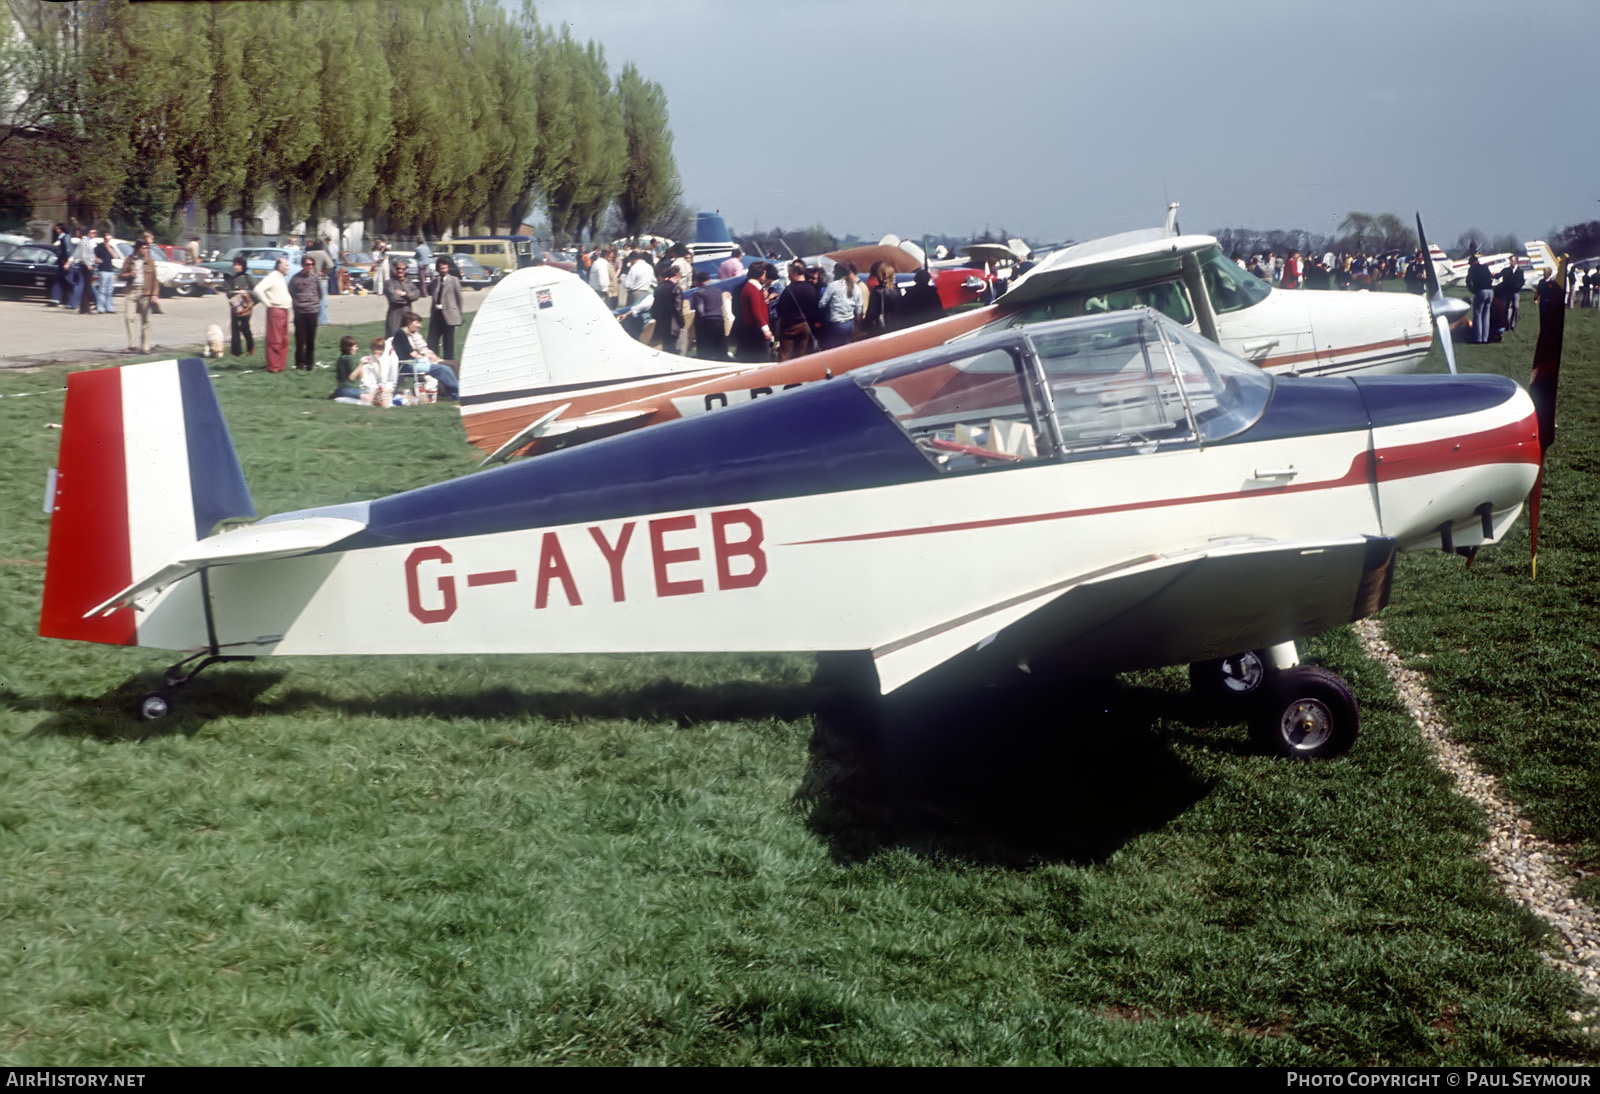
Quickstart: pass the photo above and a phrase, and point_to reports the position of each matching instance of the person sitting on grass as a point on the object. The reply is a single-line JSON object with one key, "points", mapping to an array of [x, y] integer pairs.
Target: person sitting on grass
{"points": [[347, 381], [411, 348]]}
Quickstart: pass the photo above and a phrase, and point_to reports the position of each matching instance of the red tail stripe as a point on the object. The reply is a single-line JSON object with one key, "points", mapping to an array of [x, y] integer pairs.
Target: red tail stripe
{"points": [[89, 557]]}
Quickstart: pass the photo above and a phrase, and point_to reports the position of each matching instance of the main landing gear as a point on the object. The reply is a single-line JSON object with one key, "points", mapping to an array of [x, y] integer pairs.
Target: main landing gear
{"points": [[158, 704], [1297, 711]]}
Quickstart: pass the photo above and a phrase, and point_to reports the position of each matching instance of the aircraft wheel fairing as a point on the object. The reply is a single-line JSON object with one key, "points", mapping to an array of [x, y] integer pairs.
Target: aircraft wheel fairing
{"points": [[154, 707], [1227, 680], [1305, 713]]}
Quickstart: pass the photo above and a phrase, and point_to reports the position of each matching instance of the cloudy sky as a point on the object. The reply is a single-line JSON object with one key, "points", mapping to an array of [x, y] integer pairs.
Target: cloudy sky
{"points": [[1064, 119]]}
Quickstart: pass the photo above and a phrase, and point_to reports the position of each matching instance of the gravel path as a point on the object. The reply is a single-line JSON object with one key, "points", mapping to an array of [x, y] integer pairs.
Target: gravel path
{"points": [[1533, 871]]}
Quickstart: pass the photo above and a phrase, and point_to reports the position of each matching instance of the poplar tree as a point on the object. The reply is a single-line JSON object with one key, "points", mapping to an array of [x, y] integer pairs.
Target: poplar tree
{"points": [[650, 185], [510, 124], [354, 89], [284, 90], [220, 155]]}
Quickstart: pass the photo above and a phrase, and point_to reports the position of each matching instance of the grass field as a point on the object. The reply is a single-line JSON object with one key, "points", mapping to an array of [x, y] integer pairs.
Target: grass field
{"points": [[679, 860]]}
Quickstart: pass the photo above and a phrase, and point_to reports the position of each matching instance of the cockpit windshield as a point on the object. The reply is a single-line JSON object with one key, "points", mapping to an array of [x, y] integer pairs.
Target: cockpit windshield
{"points": [[1230, 288], [1166, 297], [1069, 388]]}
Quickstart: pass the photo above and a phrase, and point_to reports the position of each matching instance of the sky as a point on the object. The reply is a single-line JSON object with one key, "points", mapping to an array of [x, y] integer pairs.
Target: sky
{"points": [[1061, 119]]}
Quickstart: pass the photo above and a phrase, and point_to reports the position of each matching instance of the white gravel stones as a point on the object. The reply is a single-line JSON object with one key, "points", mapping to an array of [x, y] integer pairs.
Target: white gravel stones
{"points": [[1533, 871]]}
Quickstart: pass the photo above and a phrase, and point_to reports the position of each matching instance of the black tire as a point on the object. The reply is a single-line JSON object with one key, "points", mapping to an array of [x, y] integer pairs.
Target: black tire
{"points": [[154, 707], [1229, 681], [1305, 713]]}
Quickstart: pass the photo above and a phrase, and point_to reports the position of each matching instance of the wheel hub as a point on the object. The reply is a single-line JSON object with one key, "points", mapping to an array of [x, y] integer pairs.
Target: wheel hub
{"points": [[1307, 724], [1243, 673]]}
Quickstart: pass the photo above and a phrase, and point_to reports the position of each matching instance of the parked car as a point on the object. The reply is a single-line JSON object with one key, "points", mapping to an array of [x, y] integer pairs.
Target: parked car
{"points": [[28, 267], [474, 276], [505, 253], [257, 260], [176, 278]]}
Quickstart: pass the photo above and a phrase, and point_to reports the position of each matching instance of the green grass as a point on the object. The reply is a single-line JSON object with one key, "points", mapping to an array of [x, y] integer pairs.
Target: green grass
{"points": [[678, 859], [1514, 661]]}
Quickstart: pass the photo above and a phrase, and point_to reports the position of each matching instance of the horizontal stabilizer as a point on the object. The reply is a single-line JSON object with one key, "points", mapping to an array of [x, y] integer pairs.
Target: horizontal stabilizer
{"points": [[595, 423], [257, 543]]}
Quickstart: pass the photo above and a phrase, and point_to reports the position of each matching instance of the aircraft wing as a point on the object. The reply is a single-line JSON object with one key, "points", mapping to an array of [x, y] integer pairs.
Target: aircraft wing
{"points": [[1115, 262], [869, 256], [256, 543], [1169, 608]]}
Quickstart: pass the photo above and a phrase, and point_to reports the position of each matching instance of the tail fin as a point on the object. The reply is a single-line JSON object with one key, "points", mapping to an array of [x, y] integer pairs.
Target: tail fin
{"points": [[711, 238], [1541, 259], [542, 338], [146, 468]]}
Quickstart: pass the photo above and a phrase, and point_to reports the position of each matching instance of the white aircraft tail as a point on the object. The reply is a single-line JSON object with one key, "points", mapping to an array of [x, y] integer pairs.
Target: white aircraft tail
{"points": [[542, 328], [1541, 259], [146, 469]]}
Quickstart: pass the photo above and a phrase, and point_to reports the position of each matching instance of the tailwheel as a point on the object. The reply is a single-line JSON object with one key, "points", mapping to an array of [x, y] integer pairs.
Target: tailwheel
{"points": [[1305, 712], [154, 707], [1228, 680], [158, 704]]}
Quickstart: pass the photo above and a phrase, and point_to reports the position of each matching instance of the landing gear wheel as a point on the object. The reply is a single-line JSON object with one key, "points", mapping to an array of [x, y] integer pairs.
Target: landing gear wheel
{"points": [[1227, 680], [1305, 713], [154, 707]]}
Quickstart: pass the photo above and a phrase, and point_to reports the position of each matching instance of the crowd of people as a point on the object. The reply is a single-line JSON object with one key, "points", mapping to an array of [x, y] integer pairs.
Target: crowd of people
{"points": [[89, 263], [1332, 269], [777, 311], [301, 301], [774, 310]]}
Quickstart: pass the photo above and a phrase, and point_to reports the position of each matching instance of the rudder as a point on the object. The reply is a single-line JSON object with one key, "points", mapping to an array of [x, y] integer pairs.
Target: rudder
{"points": [[146, 467]]}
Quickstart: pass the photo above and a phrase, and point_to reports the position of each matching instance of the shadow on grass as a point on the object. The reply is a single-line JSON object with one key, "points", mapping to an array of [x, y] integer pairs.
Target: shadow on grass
{"points": [[235, 692], [113, 716], [1017, 774], [662, 700]]}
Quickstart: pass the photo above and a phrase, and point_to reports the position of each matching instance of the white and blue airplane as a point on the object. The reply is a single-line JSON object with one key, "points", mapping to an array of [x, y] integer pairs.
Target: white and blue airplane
{"points": [[544, 364], [1094, 494]]}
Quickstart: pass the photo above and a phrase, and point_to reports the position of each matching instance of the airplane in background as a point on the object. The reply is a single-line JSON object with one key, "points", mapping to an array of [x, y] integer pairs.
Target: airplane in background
{"points": [[958, 285], [1086, 495], [1539, 261], [544, 365]]}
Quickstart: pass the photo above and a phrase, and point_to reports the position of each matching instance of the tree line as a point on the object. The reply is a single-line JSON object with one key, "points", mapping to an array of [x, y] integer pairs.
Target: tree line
{"points": [[408, 114]]}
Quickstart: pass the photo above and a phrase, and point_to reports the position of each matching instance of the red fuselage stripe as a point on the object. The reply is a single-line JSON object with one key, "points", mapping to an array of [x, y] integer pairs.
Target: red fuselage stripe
{"points": [[1515, 443]]}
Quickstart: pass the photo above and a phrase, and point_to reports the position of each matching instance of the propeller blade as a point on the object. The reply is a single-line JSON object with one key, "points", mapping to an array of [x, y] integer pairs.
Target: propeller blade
{"points": [[1436, 302], [1547, 356], [1542, 387], [1442, 324], [1427, 262]]}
